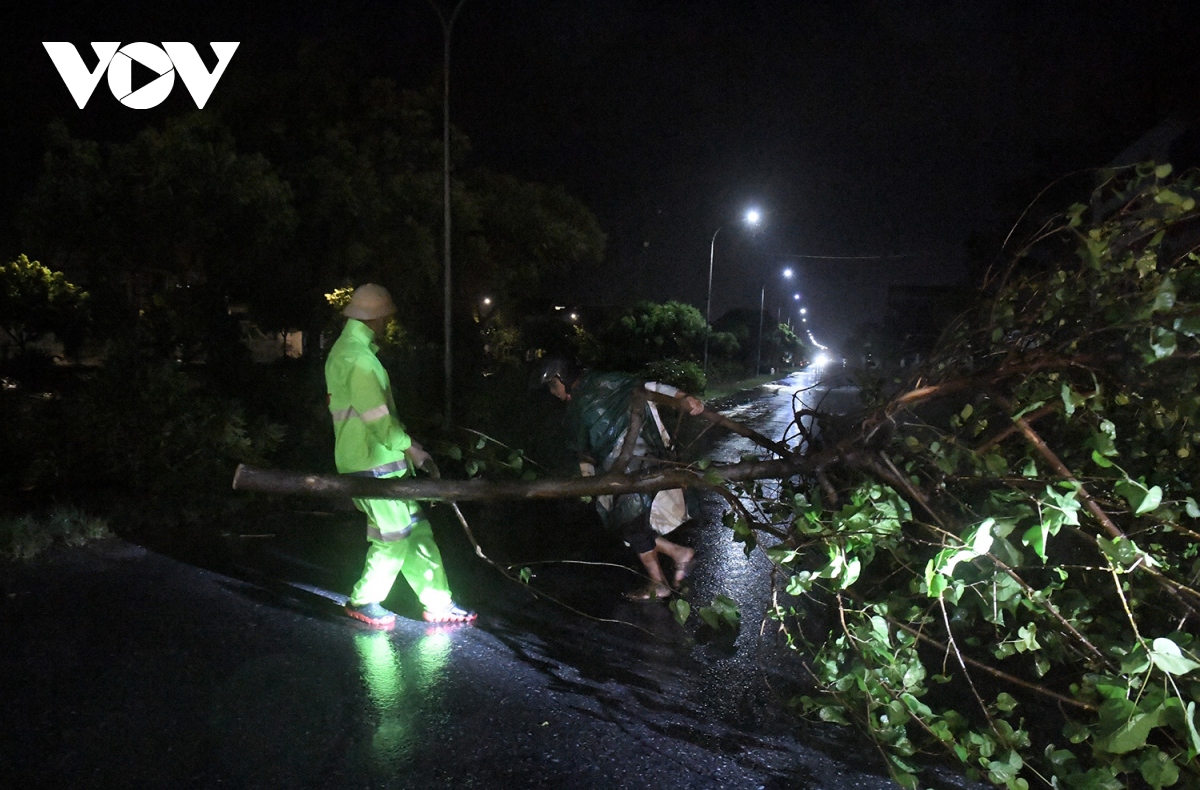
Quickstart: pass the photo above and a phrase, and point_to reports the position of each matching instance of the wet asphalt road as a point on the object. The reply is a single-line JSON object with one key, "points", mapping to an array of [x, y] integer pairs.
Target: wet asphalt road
{"points": [[124, 668]]}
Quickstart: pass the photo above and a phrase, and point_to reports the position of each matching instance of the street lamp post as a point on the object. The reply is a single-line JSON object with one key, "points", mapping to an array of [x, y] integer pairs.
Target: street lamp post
{"points": [[447, 27], [762, 308], [752, 217]]}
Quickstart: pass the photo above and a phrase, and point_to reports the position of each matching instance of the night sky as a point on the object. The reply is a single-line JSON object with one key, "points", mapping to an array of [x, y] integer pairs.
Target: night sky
{"points": [[885, 142]]}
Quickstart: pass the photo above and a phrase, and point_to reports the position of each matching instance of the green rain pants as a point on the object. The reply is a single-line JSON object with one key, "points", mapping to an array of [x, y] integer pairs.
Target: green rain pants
{"points": [[416, 556]]}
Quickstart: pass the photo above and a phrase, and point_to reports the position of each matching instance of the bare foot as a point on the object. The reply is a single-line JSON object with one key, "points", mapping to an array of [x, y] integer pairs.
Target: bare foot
{"points": [[651, 592], [684, 567]]}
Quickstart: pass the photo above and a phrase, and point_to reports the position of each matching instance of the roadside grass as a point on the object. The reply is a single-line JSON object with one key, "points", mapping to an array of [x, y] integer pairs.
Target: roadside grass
{"points": [[24, 537], [718, 390]]}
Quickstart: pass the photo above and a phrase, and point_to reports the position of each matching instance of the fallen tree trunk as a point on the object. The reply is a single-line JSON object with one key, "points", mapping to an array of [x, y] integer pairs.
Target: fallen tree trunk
{"points": [[279, 481]]}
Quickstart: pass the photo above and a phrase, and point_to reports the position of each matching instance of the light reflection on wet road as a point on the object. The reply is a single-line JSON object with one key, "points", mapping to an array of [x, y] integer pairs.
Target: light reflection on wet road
{"points": [[171, 676]]}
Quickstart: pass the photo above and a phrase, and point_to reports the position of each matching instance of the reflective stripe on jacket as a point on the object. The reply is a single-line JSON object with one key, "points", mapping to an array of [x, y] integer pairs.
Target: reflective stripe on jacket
{"points": [[367, 433]]}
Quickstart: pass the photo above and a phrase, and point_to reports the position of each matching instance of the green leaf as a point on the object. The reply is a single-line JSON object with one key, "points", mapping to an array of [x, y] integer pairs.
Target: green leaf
{"points": [[1122, 551], [1193, 736], [1100, 460], [1162, 171], [1137, 662], [1071, 399], [833, 714], [1132, 735], [1188, 325], [1162, 343], [1168, 196], [681, 609], [850, 573], [1139, 497], [936, 585], [724, 610], [1167, 656], [525, 575], [1005, 702], [1164, 297], [1002, 771], [1035, 538], [981, 540], [1193, 509], [1151, 502], [1075, 732], [1029, 408], [1158, 769]]}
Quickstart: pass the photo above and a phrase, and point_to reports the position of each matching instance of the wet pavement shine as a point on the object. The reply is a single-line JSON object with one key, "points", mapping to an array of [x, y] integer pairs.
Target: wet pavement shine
{"points": [[122, 667]]}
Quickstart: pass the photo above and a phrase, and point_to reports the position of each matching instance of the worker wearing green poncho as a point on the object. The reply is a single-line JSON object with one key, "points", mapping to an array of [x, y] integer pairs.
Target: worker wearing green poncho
{"points": [[598, 417], [371, 441]]}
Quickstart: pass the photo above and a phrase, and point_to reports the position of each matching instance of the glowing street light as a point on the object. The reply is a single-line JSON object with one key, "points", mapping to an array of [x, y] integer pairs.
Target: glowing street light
{"points": [[752, 218]]}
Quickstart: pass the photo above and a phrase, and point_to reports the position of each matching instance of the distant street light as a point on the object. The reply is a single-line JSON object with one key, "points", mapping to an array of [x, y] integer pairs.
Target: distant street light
{"points": [[762, 308], [447, 26], [752, 218], [795, 298]]}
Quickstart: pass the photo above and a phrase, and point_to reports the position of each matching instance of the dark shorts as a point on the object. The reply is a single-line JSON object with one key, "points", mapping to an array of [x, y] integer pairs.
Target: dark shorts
{"points": [[636, 531]]}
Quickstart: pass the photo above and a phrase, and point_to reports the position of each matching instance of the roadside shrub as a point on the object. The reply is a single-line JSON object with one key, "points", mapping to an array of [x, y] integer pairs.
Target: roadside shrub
{"points": [[24, 537], [150, 439], [683, 374]]}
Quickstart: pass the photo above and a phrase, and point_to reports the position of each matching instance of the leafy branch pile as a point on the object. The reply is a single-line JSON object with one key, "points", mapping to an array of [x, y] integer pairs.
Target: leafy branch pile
{"points": [[1009, 550]]}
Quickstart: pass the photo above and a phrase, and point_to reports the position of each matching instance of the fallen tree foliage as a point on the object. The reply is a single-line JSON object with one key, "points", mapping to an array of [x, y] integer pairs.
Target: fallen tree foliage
{"points": [[1010, 571]]}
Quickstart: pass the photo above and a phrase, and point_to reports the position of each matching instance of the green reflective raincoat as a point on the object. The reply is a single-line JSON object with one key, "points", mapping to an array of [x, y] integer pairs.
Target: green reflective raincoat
{"points": [[370, 440], [367, 434]]}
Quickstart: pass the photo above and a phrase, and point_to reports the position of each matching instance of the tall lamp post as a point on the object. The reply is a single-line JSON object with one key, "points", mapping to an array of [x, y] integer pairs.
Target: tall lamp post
{"points": [[447, 27], [752, 218], [762, 307]]}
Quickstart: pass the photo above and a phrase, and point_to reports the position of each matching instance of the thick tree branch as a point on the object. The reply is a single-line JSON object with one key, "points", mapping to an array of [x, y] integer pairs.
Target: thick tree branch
{"points": [[279, 481]]}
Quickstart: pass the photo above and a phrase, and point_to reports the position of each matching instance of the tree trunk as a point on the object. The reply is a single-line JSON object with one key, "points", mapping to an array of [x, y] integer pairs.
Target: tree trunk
{"points": [[278, 481]]}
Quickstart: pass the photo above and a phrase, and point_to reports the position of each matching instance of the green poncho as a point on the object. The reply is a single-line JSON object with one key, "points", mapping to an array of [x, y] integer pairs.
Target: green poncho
{"points": [[597, 420]]}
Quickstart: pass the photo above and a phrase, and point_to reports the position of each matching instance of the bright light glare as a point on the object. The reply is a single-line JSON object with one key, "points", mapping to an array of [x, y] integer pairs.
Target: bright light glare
{"points": [[796, 297], [787, 273], [821, 360], [803, 311], [752, 217]]}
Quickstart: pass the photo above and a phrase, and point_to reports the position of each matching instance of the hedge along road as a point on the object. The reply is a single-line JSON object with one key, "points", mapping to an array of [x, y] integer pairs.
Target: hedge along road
{"points": [[123, 667]]}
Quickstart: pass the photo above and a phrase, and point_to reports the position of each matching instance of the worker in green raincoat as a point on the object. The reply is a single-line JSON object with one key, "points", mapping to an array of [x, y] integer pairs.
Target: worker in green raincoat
{"points": [[598, 418], [371, 441]]}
